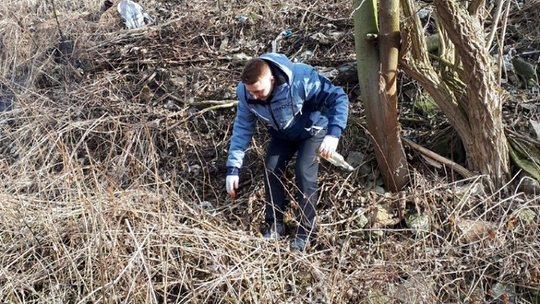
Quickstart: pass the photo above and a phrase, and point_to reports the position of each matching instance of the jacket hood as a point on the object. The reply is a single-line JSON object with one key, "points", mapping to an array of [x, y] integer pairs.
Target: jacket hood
{"points": [[281, 62]]}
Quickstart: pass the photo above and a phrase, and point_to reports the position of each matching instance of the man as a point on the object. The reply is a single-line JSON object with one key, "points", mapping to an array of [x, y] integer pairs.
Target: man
{"points": [[305, 112]]}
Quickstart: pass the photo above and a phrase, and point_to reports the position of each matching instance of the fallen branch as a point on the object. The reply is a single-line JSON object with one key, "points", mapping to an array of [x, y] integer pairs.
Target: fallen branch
{"points": [[221, 105], [443, 160], [224, 103]]}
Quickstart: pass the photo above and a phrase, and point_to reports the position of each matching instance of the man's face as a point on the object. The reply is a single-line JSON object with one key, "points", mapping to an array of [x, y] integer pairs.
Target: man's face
{"points": [[263, 87]]}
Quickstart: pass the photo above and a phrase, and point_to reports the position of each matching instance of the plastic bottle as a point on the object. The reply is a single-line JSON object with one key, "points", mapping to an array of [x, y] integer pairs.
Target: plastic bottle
{"points": [[338, 161]]}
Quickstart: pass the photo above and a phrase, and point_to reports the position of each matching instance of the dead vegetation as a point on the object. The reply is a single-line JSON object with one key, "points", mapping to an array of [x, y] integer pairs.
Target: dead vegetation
{"points": [[112, 169]]}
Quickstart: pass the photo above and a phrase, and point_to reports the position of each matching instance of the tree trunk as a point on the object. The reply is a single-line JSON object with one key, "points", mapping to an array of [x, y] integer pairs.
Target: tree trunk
{"points": [[472, 103], [487, 147], [377, 78]]}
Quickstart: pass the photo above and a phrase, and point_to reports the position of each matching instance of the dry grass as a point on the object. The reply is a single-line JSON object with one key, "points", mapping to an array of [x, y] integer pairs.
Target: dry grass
{"points": [[104, 171]]}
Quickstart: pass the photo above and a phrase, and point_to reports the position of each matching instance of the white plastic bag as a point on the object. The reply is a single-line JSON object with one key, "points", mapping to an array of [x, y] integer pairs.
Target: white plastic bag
{"points": [[133, 14]]}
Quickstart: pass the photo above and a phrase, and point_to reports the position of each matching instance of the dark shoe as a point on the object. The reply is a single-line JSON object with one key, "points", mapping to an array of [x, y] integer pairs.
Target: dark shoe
{"points": [[303, 238], [300, 243], [274, 231]]}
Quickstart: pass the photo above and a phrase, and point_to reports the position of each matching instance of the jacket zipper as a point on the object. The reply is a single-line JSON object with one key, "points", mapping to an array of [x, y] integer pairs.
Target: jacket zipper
{"points": [[273, 117]]}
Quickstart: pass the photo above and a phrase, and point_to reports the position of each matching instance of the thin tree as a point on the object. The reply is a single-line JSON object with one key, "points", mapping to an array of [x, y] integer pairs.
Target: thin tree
{"points": [[377, 58]]}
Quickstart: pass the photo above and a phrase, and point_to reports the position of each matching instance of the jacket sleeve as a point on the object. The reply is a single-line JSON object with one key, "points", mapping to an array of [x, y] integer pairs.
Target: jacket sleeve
{"points": [[243, 129], [332, 98]]}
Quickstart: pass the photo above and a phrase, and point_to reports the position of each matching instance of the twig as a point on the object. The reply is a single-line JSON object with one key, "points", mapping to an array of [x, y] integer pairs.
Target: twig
{"points": [[496, 17], [62, 37], [501, 40], [309, 10]]}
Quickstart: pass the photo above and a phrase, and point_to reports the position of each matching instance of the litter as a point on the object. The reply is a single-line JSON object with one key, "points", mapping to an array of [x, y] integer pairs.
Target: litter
{"points": [[285, 33], [133, 14]]}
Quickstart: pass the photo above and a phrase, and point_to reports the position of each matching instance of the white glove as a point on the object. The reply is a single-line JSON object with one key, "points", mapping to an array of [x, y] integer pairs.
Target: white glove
{"points": [[232, 184], [328, 146]]}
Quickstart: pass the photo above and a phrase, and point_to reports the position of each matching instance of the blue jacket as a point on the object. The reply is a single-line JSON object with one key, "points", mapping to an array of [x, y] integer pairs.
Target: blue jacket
{"points": [[301, 105]]}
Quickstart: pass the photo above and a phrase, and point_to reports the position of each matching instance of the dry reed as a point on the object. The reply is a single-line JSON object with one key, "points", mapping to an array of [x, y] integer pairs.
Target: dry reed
{"points": [[112, 181]]}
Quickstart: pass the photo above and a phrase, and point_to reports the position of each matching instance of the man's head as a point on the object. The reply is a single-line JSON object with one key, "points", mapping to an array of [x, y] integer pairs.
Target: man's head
{"points": [[258, 78]]}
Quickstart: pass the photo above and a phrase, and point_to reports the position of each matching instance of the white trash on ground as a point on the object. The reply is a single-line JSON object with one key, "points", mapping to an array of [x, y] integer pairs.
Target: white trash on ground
{"points": [[133, 14]]}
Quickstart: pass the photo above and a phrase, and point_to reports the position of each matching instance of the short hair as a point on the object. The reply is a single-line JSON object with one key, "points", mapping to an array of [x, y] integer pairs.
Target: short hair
{"points": [[253, 70]]}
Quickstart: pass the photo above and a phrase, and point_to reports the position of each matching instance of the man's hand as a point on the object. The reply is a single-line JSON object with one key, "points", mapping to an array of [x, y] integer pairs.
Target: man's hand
{"points": [[328, 146], [232, 184]]}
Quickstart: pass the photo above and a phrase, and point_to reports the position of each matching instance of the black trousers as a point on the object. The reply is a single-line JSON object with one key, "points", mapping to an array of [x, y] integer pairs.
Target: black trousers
{"points": [[278, 155]]}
